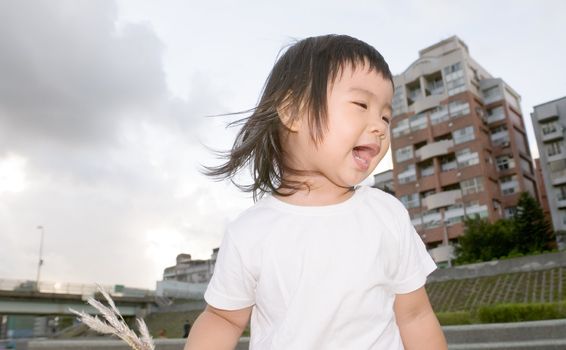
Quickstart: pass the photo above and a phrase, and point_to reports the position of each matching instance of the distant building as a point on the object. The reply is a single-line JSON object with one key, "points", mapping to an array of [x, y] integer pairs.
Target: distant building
{"points": [[188, 278], [459, 144], [549, 123], [189, 270], [384, 181], [541, 189]]}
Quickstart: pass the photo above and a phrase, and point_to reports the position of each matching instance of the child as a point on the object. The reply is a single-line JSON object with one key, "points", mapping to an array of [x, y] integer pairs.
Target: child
{"points": [[318, 263]]}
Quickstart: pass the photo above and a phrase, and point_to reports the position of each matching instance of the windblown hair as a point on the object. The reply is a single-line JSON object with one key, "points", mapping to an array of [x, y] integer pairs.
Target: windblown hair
{"points": [[297, 85]]}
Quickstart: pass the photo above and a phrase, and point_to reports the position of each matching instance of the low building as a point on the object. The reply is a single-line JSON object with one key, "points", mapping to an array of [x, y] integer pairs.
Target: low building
{"points": [[188, 278]]}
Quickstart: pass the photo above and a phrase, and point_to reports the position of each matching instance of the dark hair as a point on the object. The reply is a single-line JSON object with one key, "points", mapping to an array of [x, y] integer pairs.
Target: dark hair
{"points": [[297, 84]]}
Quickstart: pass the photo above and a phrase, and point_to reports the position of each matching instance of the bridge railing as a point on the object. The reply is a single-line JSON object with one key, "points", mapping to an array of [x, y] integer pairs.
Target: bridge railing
{"points": [[71, 288]]}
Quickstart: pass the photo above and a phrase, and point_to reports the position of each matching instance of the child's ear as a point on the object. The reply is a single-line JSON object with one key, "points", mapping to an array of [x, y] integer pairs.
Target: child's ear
{"points": [[286, 117]]}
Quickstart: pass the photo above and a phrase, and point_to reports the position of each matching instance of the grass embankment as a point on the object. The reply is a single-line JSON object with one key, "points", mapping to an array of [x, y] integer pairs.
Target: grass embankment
{"points": [[512, 297]]}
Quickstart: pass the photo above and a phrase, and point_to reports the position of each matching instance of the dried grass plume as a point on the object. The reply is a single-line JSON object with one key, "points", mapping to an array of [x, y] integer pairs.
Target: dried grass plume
{"points": [[113, 323]]}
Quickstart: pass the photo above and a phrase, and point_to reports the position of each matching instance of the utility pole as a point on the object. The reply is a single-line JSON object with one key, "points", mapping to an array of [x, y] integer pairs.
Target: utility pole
{"points": [[40, 257]]}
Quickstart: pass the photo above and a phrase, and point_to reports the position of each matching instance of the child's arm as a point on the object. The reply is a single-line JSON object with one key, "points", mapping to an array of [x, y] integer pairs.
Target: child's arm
{"points": [[217, 329], [417, 322]]}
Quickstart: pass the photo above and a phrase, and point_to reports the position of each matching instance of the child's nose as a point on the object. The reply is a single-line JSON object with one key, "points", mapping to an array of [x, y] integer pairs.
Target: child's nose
{"points": [[379, 127]]}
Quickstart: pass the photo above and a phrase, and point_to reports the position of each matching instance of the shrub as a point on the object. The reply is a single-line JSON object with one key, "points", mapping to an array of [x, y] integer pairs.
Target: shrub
{"points": [[521, 312], [454, 318]]}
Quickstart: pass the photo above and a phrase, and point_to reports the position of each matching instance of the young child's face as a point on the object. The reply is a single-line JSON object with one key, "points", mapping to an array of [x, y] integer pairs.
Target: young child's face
{"points": [[357, 138]]}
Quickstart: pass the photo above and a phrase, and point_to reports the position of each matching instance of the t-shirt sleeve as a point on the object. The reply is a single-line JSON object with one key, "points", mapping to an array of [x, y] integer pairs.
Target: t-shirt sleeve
{"points": [[232, 286], [414, 264]]}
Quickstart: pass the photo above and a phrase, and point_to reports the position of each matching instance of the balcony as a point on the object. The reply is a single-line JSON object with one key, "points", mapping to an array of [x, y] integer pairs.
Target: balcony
{"points": [[493, 96], [427, 102], [480, 210], [495, 117], [558, 156], [453, 213], [509, 187], [561, 202], [434, 149], [557, 134], [441, 199], [547, 112], [558, 177]]}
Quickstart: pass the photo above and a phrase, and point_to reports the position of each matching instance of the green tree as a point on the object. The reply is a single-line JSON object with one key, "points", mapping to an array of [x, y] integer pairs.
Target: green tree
{"points": [[533, 232], [483, 241]]}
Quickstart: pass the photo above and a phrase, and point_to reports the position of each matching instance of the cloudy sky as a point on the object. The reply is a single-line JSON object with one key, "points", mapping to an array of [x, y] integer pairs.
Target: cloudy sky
{"points": [[103, 105]]}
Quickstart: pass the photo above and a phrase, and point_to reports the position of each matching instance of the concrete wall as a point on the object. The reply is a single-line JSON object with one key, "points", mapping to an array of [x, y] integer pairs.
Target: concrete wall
{"points": [[492, 268], [539, 335], [107, 344]]}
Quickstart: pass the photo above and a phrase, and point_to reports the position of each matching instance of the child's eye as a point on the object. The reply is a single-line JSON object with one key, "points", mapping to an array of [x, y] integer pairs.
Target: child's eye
{"points": [[361, 104], [386, 119]]}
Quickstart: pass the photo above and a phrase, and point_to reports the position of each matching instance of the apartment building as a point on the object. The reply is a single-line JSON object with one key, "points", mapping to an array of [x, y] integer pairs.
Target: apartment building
{"points": [[549, 124], [192, 271], [459, 144]]}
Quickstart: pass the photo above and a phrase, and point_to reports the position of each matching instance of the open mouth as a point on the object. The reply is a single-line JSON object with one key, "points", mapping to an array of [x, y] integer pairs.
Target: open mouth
{"points": [[364, 154]]}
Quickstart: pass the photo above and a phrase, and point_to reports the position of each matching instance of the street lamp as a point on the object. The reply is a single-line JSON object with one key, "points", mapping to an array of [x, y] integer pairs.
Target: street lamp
{"points": [[40, 257]]}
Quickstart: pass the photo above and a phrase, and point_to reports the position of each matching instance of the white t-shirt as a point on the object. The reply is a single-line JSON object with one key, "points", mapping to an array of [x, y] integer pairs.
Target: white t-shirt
{"points": [[320, 277]]}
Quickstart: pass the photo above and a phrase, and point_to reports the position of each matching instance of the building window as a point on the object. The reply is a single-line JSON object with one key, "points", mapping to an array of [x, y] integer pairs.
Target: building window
{"points": [[431, 218], [413, 91], [426, 168], [453, 214], [473, 185], [549, 127], [434, 85], [403, 154], [458, 108], [411, 200], [416, 220], [463, 135], [402, 128], [417, 122], [509, 185], [492, 94], [474, 208], [495, 114], [455, 80], [465, 158], [504, 162], [448, 163], [439, 115], [408, 175], [499, 136], [554, 148]]}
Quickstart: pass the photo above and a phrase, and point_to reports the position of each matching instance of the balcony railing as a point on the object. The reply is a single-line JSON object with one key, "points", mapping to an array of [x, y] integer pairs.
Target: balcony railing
{"points": [[434, 149], [557, 156], [556, 134], [558, 177], [442, 199], [495, 117], [547, 112]]}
